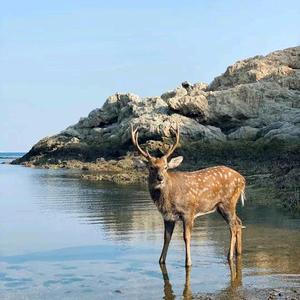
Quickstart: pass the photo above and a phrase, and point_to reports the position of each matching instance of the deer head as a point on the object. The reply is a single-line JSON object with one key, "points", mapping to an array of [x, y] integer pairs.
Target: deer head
{"points": [[158, 166]]}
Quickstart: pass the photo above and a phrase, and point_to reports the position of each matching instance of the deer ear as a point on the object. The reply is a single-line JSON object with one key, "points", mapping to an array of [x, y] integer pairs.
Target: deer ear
{"points": [[175, 162]]}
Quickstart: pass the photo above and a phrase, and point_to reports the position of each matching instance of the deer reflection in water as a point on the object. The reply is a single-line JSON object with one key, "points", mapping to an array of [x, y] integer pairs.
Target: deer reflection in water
{"points": [[230, 291]]}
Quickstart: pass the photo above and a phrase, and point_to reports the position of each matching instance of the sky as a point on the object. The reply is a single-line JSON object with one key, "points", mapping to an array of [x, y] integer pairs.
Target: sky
{"points": [[60, 59]]}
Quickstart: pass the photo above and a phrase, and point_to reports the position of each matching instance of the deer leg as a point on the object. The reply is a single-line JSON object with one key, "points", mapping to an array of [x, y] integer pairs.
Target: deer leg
{"points": [[230, 219], [169, 227], [239, 236], [187, 232], [233, 235], [187, 292]]}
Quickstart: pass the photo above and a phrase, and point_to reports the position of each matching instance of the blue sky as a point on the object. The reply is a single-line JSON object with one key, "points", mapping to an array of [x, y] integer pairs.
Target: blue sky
{"points": [[61, 59]]}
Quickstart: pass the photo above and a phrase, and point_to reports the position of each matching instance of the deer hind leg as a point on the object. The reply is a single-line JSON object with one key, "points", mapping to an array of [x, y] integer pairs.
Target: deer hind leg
{"points": [[230, 217], [238, 236], [169, 228], [233, 240]]}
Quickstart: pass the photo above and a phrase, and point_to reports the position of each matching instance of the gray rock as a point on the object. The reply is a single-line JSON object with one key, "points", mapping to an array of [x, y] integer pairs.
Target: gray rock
{"points": [[254, 104], [190, 106], [286, 132], [177, 93], [244, 133], [263, 131]]}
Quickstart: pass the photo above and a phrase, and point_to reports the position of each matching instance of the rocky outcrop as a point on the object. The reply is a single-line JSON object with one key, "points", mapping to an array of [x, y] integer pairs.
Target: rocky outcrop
{"points": [[257, 99], [282, 66]]}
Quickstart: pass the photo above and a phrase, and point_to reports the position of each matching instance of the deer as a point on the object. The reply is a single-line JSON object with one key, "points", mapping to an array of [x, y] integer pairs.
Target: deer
{"points": [[184, 196]]}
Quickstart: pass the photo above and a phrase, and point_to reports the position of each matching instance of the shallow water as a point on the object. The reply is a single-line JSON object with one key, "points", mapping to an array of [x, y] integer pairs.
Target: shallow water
{"points": [[64, 238]]}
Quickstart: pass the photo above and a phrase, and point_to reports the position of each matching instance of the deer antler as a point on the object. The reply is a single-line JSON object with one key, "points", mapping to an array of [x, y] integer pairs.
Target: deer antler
{"points": [[173, 147], [134, 138]]}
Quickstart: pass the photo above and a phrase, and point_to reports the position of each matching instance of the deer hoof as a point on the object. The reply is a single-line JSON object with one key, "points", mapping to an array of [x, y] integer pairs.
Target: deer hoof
{"points": [[188, 264]]}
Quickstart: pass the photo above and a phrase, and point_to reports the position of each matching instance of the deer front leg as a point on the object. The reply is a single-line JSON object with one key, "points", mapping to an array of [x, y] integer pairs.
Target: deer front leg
{"points": [[187, 232], [169, 227]]}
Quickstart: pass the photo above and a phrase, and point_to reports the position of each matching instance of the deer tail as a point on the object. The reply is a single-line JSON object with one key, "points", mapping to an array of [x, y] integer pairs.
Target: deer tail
{"points": [[243, 197]]}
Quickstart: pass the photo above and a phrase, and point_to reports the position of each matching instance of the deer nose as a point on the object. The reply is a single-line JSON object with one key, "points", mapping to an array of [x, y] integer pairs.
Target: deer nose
{"points": [[160, 177]]}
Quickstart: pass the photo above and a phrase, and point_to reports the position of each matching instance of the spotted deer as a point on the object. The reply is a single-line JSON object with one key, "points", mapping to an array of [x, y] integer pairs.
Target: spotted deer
{"points": [[183, 196]]}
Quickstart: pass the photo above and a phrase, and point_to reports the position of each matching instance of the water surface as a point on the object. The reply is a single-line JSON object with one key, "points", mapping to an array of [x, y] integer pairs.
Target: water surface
{"points": [[64, 238]]}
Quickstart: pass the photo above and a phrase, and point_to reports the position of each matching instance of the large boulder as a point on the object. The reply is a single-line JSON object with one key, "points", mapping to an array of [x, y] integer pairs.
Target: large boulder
{"points": [[254, 104], [193, 106]]}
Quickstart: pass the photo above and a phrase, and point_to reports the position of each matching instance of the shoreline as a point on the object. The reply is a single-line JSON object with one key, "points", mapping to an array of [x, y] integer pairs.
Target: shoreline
{"points": [[270, 176], [122, 171]]}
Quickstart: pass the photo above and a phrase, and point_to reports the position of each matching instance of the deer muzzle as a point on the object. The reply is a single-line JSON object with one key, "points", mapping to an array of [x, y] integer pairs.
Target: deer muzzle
{"points": [[159, 177]]}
